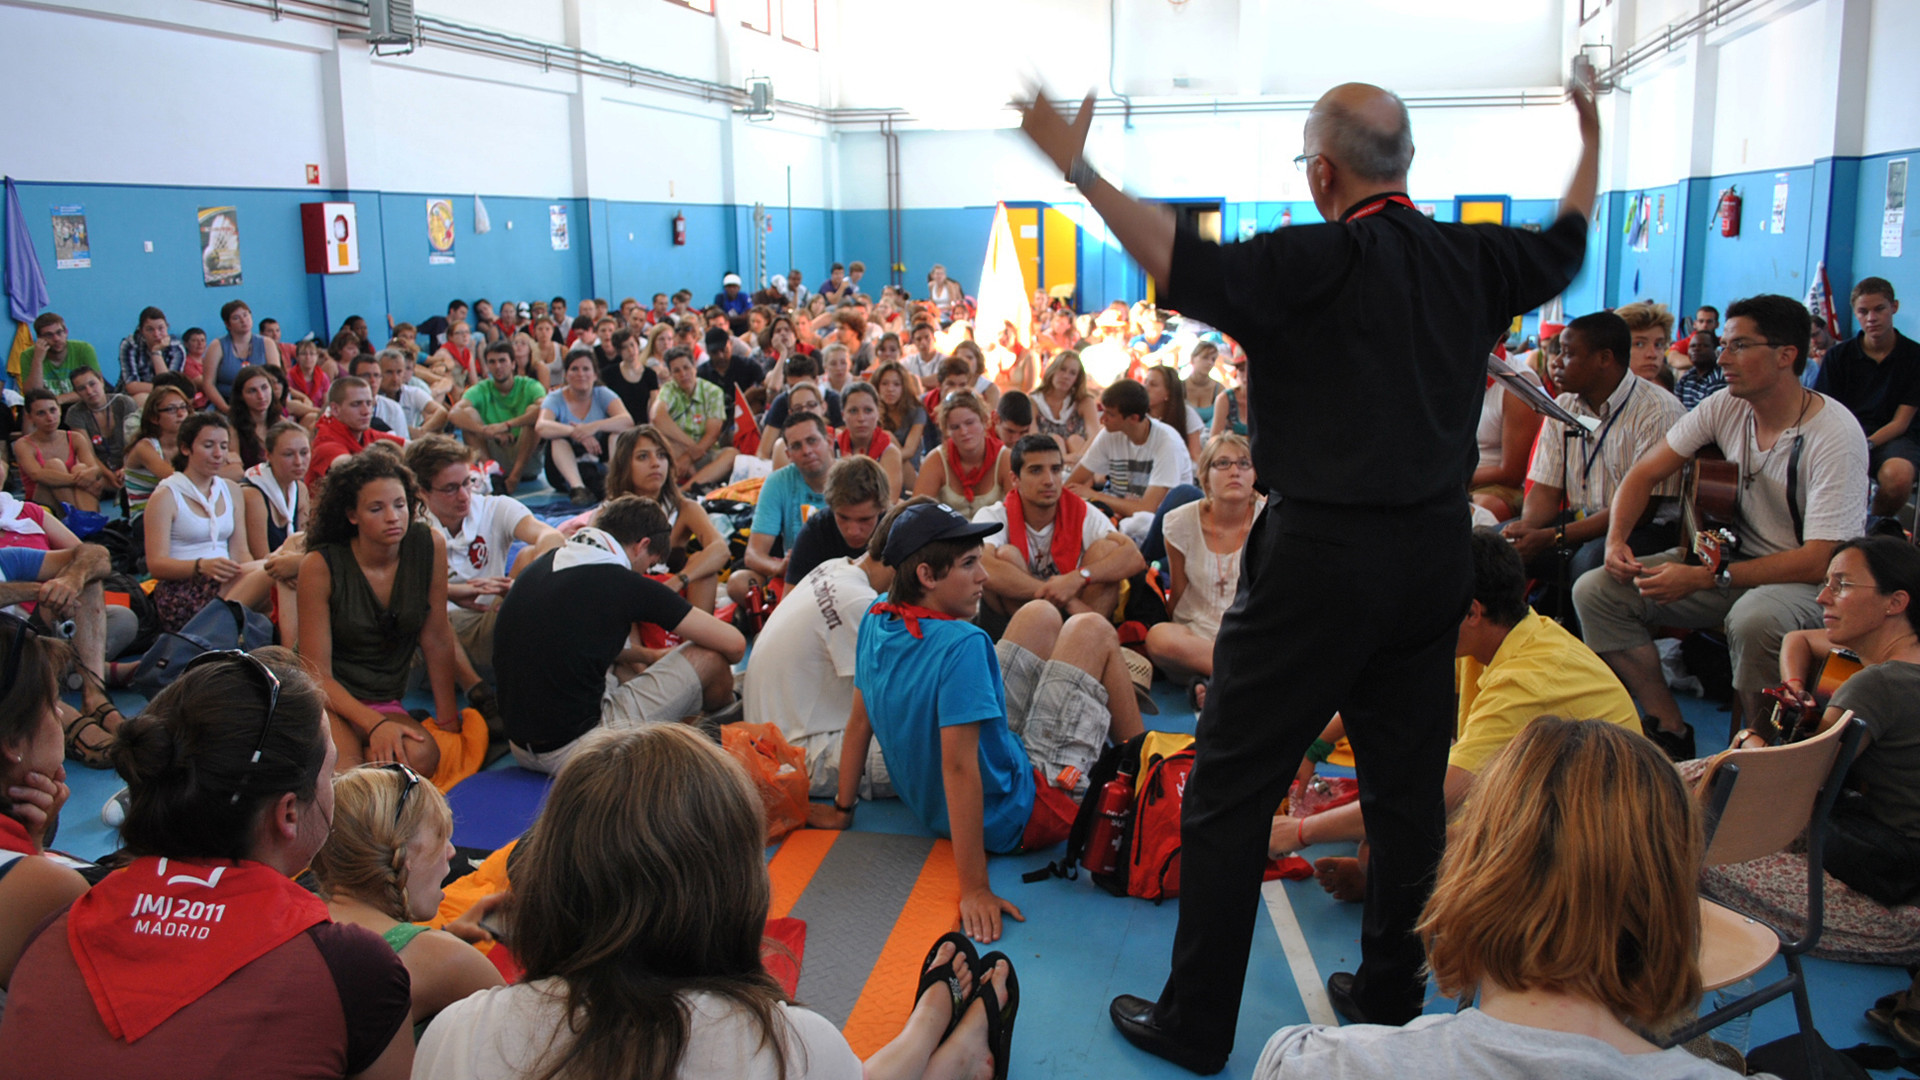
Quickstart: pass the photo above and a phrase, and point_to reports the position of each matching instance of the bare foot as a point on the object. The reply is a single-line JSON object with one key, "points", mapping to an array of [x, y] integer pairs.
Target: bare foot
{"points": [[1343, 878], [965, 1053], [935, 1007]]}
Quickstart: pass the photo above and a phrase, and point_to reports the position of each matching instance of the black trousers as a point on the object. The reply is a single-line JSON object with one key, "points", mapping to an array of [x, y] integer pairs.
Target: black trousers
{"points": [[1344, 610]]}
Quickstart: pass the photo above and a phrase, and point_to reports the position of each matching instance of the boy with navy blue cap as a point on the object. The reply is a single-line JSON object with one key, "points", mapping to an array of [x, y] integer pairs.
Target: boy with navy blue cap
{"points": [[986, 744]]}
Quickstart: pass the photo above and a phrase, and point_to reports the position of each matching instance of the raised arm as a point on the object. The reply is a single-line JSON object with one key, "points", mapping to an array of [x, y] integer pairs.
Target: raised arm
{"points": [[1145, 231]]}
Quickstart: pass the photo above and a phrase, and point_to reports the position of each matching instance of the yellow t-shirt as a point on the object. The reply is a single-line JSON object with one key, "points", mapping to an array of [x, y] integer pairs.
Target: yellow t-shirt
{"points": [[1540, 670]]}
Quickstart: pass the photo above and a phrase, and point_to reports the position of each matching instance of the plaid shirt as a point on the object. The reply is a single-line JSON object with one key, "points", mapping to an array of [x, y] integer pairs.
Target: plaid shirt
{"points": [[1693, 387], [136, 363]]}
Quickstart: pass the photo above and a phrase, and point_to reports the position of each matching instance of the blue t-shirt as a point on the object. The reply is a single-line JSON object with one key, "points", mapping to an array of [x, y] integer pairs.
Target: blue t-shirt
{"points": [[785, 504], [603, 400], [913, 687]]}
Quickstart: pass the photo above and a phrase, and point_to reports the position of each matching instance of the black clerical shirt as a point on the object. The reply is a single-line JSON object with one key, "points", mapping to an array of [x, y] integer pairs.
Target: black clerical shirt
{"points": [[1367, 341]]}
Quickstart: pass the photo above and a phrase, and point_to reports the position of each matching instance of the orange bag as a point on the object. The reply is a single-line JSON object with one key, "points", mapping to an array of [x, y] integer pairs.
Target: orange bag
{"points": [[778, 770]]}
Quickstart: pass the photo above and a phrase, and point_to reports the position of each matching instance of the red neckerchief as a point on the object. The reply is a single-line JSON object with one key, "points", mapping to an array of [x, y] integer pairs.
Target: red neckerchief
{"points": [[875, 446], [911, 614], [967, 482], [1068, 520], [461, 355], [157, 936], [13, 837], [1378, 205]]}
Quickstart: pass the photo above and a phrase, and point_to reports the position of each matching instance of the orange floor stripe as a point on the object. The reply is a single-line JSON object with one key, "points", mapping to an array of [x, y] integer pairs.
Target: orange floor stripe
{"points": [[932, 909], [794, 864]]}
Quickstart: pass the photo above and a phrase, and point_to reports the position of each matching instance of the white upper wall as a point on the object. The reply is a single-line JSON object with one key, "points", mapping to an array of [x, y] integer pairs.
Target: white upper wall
{"points": [[1412, 46], [523, 145], [1892, 120], [160, 106], [1766, 118]]}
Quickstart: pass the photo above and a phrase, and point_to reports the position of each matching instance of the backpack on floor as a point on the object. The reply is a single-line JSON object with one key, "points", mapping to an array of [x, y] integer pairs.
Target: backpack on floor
{"points": [[1127, 834], [124, 590]]}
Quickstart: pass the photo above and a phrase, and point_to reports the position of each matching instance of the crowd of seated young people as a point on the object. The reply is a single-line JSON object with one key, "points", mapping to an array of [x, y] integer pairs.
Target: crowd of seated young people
{"points": [[1039, 499]]}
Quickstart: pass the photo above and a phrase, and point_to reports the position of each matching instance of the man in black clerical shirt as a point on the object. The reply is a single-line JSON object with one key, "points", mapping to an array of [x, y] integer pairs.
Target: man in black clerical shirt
{"points": [[1367, 338]]}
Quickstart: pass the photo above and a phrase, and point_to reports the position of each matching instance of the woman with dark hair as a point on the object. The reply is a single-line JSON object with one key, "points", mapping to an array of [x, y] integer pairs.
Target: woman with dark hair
{"points": [[57, 465], [150, 459], [202, 957], [197, 529], [864, 435], [642, 464], [33, 787], [373, 589], [901, 412], [256, 407], [576, 420], [1872, 845], [639, 901], [340, 353], [1566, 909], [1167, 403]]}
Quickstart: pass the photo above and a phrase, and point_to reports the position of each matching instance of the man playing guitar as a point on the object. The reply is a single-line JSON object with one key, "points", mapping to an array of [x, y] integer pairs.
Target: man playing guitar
{"points": [[1802, 490]]}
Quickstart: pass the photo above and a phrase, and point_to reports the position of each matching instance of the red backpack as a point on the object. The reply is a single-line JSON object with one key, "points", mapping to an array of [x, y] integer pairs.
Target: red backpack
{"points": [[1129, 840]]}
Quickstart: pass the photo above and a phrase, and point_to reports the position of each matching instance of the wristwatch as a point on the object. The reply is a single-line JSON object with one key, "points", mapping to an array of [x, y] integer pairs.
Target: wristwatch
{"points": [[1086, 574], [1723, 579]]}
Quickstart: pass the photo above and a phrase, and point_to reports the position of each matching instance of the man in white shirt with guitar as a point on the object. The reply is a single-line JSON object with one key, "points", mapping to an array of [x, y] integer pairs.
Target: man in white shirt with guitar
{"points": [[1801, 489]]}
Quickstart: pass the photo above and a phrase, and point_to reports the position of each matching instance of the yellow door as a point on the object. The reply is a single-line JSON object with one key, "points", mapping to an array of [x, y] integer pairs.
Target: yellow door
{"points": [[1061, 238], [1025, 223]]}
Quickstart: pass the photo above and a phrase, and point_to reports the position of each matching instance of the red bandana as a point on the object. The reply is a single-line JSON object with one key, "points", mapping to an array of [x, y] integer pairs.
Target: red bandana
{"points": [[1068, 520], [13, 837], [155, 937], [911, 614], [969, 481], [875, 446]]}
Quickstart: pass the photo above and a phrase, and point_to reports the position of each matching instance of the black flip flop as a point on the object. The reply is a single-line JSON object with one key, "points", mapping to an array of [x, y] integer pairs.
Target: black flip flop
{"points": [[931, 976], [999, 1020]]}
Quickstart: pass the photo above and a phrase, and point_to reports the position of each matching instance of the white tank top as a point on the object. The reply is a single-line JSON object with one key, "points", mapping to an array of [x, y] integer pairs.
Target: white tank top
{"points": [[194, 536]]}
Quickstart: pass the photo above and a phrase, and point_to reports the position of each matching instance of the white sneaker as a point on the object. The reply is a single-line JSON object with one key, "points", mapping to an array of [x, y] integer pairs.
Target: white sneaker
{"points": [[114, 813]]}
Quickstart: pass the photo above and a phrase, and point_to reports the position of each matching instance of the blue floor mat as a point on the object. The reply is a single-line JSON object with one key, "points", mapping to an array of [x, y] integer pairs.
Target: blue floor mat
{"points": [[1079, 947]]}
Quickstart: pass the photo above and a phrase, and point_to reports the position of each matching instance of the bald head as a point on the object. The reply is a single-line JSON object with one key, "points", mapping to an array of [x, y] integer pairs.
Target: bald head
{"points": [[1363, 130]]}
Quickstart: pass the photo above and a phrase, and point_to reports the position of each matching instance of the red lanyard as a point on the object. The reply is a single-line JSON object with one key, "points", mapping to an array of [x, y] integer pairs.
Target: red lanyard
{"points": [[1378, 205]]}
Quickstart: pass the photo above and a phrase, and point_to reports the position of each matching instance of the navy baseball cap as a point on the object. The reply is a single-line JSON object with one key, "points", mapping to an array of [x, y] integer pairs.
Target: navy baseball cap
{"points": [[918, 526]]}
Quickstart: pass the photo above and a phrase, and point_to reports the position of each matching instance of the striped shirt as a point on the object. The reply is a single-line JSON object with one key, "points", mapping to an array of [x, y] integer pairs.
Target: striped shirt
{"points": [[1633, 420]]}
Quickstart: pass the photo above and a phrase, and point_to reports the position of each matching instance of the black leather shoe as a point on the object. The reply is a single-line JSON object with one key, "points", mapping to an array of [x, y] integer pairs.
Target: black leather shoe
{"points": [[1340, 991], [1134, 1017], [1678, 746]]}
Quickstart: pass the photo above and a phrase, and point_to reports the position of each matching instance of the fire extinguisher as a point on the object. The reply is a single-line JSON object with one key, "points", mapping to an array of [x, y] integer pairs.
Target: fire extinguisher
{"points": [[1286, 217], [679, 229], [1729, 213], [1109, 832]]}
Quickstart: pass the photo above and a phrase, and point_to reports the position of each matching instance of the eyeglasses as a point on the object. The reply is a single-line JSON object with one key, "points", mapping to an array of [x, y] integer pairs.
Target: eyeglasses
{"points": [[1223, 464], [412, 780], [272, 681], [449, 489], [1303, 160], [1740, 345], [1841, 586], [21, 629], [171, 410]]}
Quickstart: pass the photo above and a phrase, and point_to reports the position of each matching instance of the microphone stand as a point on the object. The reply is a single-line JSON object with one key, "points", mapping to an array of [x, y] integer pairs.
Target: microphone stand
{"points": [[1571, 428]]}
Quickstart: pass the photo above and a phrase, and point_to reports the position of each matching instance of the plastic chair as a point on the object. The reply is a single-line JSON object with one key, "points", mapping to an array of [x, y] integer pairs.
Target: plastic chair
{"points": [[1758, 802]]}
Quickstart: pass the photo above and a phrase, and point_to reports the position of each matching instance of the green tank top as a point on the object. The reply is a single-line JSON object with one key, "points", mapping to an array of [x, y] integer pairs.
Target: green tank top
{"points": [[402, 934], [373, 647]]}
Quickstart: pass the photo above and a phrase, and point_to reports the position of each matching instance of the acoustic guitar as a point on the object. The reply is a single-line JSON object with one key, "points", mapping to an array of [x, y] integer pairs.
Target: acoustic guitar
{"points": [[1709, 497], [1792, 721]]}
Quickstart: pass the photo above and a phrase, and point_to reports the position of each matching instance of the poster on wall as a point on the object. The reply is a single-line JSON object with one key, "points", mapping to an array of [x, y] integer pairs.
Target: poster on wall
{"points": [[70, 250], [220, 245], [1780, 204], [439, 232], [1894, 225], [1639, 222], [557, 226]]}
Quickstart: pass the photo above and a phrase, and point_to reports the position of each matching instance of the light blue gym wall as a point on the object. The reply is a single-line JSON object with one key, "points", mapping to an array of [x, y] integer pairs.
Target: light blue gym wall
{"points": [[1864, 239], [102, 302]]}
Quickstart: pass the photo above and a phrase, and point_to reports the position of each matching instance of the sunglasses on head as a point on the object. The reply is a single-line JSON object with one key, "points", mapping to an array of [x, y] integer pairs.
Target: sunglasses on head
{"points": [[272, 682], [411, 780]]}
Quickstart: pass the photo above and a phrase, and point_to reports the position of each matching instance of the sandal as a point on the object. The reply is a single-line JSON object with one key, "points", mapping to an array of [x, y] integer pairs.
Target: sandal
{"points": [[1896, 1015], [91, 754], [999, 1020], [932, 976], [1196, 693]]}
